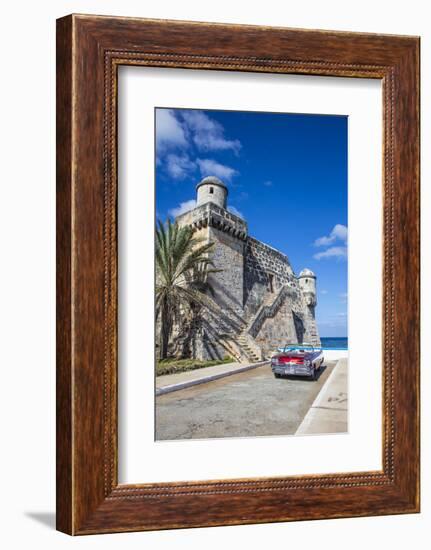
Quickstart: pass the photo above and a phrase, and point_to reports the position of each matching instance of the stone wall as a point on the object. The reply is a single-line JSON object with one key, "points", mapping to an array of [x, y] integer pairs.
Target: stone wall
{"points": [[282, 318], [277, 331], [266, 270], [228, 284], [228, 232]]}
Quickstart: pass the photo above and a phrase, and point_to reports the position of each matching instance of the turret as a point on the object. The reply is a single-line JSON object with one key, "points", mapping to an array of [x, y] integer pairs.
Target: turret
{"points": [[307, 283], [211, 189]]}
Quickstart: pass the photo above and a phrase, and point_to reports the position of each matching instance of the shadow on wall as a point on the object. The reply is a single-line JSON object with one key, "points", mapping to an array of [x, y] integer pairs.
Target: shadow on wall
{"points": [[299, 327]]}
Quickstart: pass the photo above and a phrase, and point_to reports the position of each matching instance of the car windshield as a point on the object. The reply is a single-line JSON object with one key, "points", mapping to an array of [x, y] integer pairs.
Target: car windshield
{"points": [[298, 347]]}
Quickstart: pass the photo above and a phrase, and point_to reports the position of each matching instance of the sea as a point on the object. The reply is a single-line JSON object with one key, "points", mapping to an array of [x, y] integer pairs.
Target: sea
{"points": [[334, 343]]}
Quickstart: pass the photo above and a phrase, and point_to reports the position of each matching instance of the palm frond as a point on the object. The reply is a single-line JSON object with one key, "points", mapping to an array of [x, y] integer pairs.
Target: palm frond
{"points": [[183, 287]]}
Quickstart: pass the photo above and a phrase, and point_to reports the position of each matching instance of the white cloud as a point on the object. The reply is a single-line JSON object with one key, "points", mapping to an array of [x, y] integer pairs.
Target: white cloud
{"points": [[338, 252], [178, 166], [235, 211], [343, 297], [338, 233], [169, 131], [179, 133], [210, 167], [267, 183], [208, 134], [182, 208], [323, 292]]}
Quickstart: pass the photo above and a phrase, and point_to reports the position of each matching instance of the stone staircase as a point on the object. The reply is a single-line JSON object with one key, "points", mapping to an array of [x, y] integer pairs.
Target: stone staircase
{"points": [[250, 347], [241, 347], [237, 342], [268, 308], [246, 338]]}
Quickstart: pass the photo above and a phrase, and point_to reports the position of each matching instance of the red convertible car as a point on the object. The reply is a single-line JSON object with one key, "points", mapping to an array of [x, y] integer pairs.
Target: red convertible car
{"points": [[297, 360]]}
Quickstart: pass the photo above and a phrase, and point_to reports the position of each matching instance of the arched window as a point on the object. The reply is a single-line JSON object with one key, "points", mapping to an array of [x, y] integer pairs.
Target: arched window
{"points": [[211, 190]]}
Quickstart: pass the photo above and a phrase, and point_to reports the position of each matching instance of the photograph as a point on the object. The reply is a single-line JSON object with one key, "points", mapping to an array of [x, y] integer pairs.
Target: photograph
{"points": [[251, 274]]}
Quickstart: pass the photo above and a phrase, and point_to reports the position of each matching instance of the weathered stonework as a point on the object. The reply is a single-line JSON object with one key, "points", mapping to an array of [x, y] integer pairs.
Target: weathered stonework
{"points": [[262, 303]]}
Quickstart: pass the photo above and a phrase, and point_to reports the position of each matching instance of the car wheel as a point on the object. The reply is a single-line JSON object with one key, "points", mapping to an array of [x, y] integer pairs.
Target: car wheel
{"points": [[313, 375], [277, 375]]}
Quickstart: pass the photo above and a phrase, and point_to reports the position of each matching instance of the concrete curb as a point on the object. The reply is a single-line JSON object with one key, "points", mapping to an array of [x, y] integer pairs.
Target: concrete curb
{"points": [[205, 379], [310, 417]]}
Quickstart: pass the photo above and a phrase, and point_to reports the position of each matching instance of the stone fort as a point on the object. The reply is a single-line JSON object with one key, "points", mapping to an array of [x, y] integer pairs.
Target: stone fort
{"points": [[262, 303]]}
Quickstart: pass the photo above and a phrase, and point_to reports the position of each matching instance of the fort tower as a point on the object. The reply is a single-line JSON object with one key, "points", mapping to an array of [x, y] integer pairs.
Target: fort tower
{"points": [[211, 189], [307, 282]]}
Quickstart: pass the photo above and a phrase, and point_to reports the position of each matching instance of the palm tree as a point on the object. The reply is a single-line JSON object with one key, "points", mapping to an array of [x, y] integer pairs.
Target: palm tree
{"points": [[183, 263]]}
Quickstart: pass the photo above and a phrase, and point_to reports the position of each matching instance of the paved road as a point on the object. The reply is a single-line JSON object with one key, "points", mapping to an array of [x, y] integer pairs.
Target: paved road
{"points": [[242, 405]]}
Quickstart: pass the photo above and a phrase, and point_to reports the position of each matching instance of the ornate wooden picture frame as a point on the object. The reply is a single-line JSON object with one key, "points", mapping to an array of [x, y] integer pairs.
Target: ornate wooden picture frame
{"points": [[89, 51]]}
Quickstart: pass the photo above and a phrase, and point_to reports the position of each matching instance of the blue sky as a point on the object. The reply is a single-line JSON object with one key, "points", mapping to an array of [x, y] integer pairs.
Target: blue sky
{"points": [[287, 176]]}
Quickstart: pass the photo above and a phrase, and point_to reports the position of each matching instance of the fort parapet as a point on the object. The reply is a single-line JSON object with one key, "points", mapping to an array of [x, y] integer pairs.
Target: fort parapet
{"points": [[211, 215]]}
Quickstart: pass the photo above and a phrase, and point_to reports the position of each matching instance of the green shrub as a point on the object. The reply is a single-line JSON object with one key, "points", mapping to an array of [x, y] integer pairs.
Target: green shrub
{"points": [[173, 365]]}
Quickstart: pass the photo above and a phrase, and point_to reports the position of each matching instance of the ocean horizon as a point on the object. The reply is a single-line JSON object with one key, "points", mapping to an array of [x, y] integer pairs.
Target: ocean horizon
{"points": [[334, 342]]}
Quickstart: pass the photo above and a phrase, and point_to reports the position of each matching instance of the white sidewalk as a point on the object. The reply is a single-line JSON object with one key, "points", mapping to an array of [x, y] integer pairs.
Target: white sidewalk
{"points": [[328, 413], [173, 382]]}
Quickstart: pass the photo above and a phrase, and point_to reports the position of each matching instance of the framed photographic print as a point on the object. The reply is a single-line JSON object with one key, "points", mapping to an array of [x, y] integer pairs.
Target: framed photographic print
{"points": [[237, 274]]}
